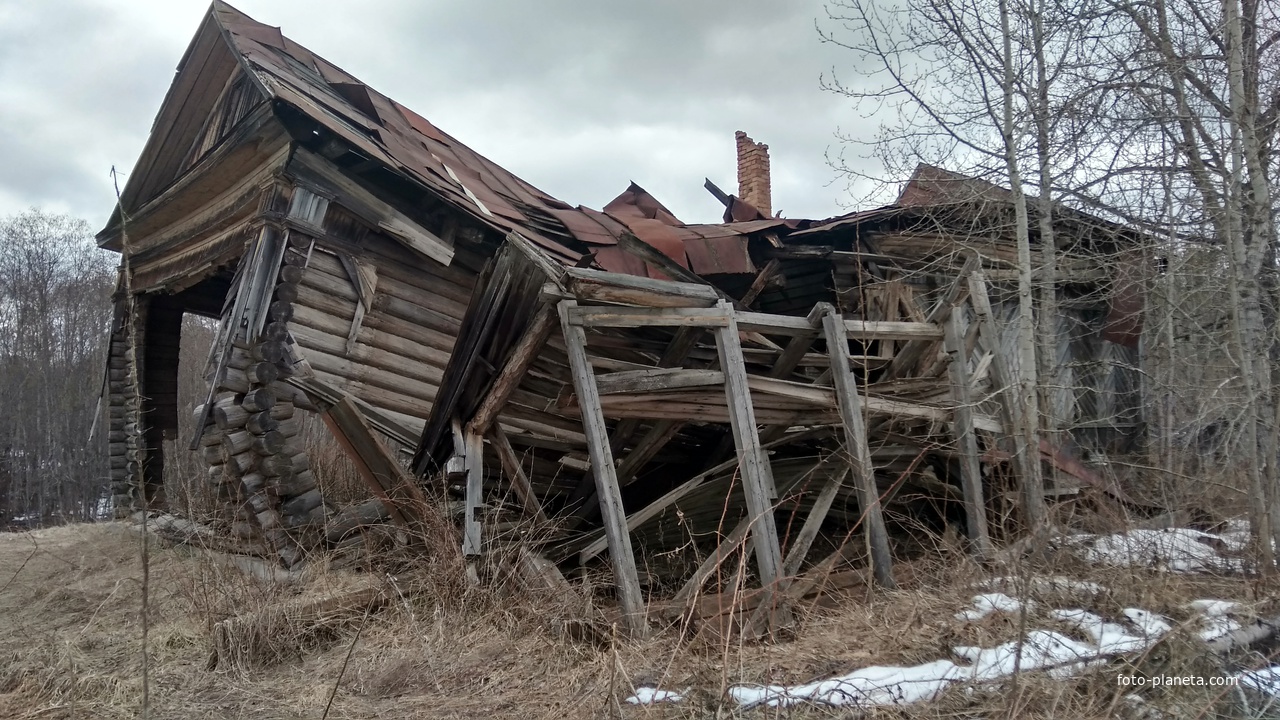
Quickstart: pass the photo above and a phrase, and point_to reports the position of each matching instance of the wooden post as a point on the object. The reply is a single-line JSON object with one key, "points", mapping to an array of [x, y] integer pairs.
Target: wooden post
{"points": [[855, 435], [966, 438], [473, 461], [757, 474], [611, 510], [1026, 458]]}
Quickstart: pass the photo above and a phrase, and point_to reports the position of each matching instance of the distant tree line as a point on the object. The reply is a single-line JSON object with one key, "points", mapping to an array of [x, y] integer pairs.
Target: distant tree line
{"points": [[55, 309]]}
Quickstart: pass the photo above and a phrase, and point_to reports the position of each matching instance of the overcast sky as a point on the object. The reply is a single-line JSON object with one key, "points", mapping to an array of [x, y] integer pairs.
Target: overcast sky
{"points": [[577, 97]]}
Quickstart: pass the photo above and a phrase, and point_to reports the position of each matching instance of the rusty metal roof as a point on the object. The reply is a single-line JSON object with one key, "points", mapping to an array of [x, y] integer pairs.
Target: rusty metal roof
{"points": [[395, 136]]}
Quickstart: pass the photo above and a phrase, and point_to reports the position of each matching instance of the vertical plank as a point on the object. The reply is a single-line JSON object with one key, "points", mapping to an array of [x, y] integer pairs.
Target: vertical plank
{"points": [[855, 434], [1026, 455], [757, 474], [474, 464], [602, 467], [966, 439]]}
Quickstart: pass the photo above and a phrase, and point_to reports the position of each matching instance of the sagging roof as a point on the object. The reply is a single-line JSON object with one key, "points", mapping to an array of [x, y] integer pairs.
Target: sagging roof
{"points": [[393, 135]]}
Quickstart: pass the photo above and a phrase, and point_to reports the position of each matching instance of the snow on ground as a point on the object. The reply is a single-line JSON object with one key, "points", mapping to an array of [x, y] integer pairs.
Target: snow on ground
{"points": [[1049, 650], [988, 603], [1059, 655], [1181, 550], [651, 695], [1265, 680]]}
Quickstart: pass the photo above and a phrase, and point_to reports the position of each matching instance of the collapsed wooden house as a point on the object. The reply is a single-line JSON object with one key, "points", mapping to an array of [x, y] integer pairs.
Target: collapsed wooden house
{"points": [[634, 387]]}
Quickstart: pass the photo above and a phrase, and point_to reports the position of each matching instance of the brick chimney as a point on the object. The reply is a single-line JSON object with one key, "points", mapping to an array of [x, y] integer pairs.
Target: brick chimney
{"points": [[753, 173]]}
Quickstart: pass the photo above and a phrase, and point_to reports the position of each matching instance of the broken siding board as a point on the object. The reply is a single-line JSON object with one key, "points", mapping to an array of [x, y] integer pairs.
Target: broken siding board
{"points": [[647, 317], [515, 368], [657, 379], [602, 467]]}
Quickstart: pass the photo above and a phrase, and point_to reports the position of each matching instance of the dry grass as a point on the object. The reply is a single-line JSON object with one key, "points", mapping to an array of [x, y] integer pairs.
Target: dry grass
{"points": [[70, 644]]}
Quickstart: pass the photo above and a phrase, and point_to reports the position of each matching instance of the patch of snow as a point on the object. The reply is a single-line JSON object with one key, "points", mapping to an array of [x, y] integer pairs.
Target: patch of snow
{"points": [[1213, 607], [1111, 638], [1151, 625], [1265, 680], [1215, 621], [1053, 652], [988, 603], [862, 688], [1180, 550], [650, 696]]}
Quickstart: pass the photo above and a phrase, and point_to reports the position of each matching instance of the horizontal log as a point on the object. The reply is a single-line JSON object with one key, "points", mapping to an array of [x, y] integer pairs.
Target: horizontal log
{"points": [[377, 377], [595, 285], [295, 257], [259, 423], [253, 482], [275, 465], [269, 443], [280, 311], [341, 293], [284, 407], [228, 414], [237, 442], [353, 517], [291, 485], [363, 356], [302, 504], [769, 324], [380, 334], [286, 293], [272, 351], [263, 373], [290, 274], [258, 400]]}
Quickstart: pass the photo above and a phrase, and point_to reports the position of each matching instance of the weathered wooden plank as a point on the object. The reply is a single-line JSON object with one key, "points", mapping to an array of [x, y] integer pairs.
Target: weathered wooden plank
{"points": [[813, 522], [855, 437], [621, 317], [908, 357], [757, 475], [383, 475], [602, 467], [857, 329], [599, 286], [657, 379], [1026, 460], [966, 438]]}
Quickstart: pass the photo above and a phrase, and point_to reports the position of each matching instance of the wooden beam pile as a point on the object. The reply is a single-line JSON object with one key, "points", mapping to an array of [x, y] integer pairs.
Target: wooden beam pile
{"points": [[850, 410]]}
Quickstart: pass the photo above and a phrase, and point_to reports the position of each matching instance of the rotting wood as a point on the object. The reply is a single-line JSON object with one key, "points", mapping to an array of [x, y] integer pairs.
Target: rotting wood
{"points": [[966, 438], [855, 442], [602, 468]]}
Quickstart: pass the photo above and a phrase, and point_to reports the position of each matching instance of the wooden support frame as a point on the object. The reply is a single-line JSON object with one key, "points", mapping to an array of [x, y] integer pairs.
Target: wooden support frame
{"points": [[966, 438], [473, 465], [757, 474], [602, 468], [855, 435]]}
